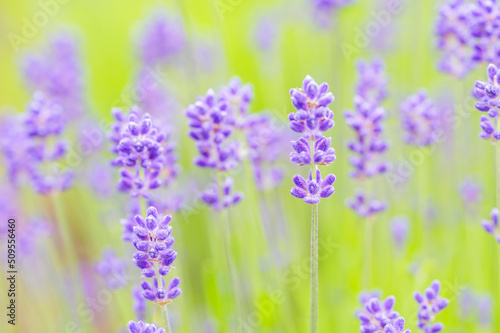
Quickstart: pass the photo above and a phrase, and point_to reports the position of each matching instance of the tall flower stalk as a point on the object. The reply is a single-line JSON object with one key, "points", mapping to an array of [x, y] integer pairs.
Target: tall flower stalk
{"points": [[311, 119], [367, 122]]}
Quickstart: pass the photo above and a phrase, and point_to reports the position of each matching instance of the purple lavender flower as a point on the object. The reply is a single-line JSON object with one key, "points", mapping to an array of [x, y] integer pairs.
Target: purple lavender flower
{"points": [[467, 34], [163, 37], [210, 127], [376, 316], [491, 226], [470, 191], [140, 327], [367, 124], [420, 119], [14, 143], [112, 270], [57, 74], [221, 200], [430, 304], [488, 94], [265, 32], [142, 153], [323, 9], [139, 303], [363, 206], [238, 96], [265, 143], [313, 116], [158, 293], [153, 243], [312, 190], [399, 230], [372, 81]]}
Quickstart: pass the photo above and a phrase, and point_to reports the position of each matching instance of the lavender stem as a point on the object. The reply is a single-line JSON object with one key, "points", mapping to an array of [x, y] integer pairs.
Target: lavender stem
{"points": [[314, 268], [168, 329]]}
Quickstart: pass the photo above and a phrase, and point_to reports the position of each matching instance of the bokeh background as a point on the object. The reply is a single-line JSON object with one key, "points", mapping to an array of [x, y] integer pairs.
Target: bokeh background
{"points": [[273, 45]]}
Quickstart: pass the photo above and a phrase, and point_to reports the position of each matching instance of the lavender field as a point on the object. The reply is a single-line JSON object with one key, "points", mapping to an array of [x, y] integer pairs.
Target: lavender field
{"points": [[250, 166]]}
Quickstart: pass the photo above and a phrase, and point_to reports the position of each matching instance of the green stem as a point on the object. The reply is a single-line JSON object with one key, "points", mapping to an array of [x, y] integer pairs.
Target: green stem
{"points": [[168, 329], [314, 268]]}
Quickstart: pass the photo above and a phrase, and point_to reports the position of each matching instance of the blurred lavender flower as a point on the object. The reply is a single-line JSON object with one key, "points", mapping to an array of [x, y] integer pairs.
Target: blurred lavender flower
{"points": [[467, 33], [210, 128], [238, 96], [430, 304], [58, 75], [323, 9], [420, 119], [379, 317], [491, 226], [158, 293], [488, 94], [399, 230], [372, 80], [367, 124], [112, 270], [265, 33], [363, 206], [153, 243], [470, 192], [366, 296], [219, 201], [140, 327], [265, 143], [139, 303], [312, 118], [14, 143], [44, 124], [163, 36]]}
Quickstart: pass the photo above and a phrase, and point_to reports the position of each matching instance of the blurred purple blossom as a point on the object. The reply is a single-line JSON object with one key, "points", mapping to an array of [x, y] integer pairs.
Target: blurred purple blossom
{"points": [[470, 192], [140, 327], [430, 304], [420, 119], [221, 199], [112, 270], [363, 206], [138, 303], [400, 227], [491, 226]]}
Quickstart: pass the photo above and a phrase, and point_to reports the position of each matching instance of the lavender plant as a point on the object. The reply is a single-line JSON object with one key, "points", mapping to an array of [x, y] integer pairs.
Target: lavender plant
{"points": [[379, 317], [312, 117], [491, 226], [430, 304], [420, 119], [467, 34]]}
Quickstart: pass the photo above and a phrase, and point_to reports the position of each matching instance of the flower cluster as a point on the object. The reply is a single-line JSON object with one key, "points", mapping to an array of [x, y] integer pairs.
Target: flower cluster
{"points": [[238, 96], [488, 95], [112, 270], [430, 304], [420, 119], [160, 294], [323, 9], [57, 74], [153, 243], [147, 159], [163, 37], [363, 206], [379, 317], [140, 327], [264, 148], [366, 121], [211, 127], [32, 144], [219, 201], [467, 34], [312, 118], [491, 226]]}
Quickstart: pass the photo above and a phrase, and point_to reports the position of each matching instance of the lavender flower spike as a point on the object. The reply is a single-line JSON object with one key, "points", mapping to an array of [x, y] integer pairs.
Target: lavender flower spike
{"points": [[363, 206], [420, 119], [153, 243], [492, 225], [488, 95], [140, 327], [159, 293], [430, 304], [311, 190], [381, 317], [219, 201]]}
